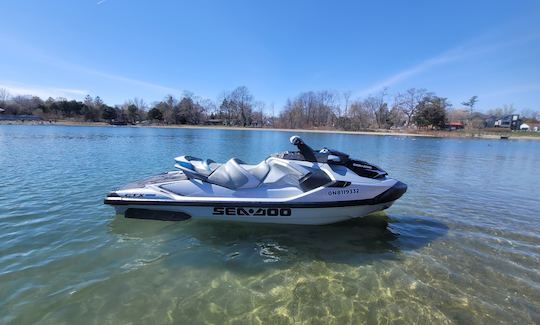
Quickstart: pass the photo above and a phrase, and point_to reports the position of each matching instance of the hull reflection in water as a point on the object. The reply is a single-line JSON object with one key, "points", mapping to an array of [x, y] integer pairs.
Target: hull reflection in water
{"points": [[252, 246]]}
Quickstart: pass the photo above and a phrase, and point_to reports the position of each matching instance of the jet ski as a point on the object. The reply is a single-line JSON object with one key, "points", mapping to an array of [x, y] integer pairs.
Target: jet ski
{"points": [[304, 186]]}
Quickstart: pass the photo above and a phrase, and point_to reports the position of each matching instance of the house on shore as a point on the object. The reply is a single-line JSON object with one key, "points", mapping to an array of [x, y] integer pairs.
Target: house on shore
{"points": [[530, 126], [509, 121], [215, 121], [454, 125]]}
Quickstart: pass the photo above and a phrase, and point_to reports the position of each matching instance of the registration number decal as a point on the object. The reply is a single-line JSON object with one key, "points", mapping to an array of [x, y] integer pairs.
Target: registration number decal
{"points": [[344, 191]]}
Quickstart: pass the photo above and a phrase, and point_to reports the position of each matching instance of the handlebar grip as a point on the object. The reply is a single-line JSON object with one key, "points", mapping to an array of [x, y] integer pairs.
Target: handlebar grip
{"points": [[295, 140]]}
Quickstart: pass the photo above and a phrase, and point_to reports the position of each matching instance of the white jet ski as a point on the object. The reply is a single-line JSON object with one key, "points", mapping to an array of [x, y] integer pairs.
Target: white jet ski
{"points": [[312, 187]]}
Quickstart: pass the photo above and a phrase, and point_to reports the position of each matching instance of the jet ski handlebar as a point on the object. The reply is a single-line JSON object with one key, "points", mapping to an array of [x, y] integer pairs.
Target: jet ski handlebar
{"points": [[305, 150], [295, 140]]}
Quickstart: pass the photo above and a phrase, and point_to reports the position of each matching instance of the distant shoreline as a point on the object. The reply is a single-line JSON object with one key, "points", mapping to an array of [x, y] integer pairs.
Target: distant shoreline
{"points": [[465, 134]]}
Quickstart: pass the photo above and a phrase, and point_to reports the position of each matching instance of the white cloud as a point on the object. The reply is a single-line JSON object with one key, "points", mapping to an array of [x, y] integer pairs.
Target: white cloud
{"points": [[20, 47], [115, 77], [43, 92], [407, 73], [469, 49]]}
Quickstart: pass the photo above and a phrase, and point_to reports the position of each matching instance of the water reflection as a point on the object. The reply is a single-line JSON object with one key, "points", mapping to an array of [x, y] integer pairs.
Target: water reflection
{"points": [[245, 247], [66, 259]]}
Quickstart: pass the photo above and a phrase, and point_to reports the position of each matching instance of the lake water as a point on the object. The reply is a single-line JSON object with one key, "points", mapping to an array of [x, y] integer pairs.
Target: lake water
{"points": [[462, 245]]}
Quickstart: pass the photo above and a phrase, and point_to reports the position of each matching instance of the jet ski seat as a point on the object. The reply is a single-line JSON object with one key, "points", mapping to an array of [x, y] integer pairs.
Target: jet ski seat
{"points": [[234, 175], [281, 174], [201, 166], [259, 171]]}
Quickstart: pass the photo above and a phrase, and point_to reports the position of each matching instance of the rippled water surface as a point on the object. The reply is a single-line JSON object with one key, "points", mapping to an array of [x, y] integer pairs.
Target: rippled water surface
{"points": [[462, 245]]}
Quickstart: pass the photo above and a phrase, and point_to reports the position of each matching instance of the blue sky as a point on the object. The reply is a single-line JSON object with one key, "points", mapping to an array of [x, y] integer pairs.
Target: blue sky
{"points": [[124, 49]]}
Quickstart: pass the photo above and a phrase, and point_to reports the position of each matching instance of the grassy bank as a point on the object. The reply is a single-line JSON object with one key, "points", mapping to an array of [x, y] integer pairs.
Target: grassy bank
{"points": [[474, 133]]}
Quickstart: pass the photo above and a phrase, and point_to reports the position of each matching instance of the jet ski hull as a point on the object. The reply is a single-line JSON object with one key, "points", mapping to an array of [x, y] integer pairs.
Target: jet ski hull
{"points": [[300, 213], [298, 216]]}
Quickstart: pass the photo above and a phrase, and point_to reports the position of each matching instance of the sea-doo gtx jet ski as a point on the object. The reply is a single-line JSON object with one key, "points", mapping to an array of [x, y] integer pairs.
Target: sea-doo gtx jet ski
{"points": [[293, 187]]}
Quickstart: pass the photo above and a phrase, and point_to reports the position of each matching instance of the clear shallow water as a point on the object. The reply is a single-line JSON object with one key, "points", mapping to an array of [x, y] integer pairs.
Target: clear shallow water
{"points": [[462, 246]]}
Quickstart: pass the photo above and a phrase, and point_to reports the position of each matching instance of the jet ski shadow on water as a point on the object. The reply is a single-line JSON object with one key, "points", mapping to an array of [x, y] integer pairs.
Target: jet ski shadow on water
{"points": [[304, 187], [252, 248]]}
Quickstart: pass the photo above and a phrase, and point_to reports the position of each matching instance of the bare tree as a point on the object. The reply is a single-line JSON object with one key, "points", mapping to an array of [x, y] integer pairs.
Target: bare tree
{"points": [[459, 114], [273, 118], [209, 107], [4, 96], [378, 108], [359, 116], [169, 109], [408, 102], [139, 103], [502, 111], [396, 117], [346, 97], [136, 109], [310, 109], [530, 114], [327, 108], [242, 100]]}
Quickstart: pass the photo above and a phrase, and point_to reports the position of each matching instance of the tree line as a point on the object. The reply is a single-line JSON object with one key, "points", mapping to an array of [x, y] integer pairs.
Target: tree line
{"points": [[415, 107]]}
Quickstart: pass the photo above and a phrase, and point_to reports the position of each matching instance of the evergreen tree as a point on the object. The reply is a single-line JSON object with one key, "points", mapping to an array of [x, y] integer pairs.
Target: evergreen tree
{"points": [[109, 113], [155, 114], [431, 112]]}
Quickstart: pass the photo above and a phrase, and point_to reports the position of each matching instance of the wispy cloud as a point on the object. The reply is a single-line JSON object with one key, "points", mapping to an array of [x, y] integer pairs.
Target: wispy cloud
{"points": [[100, 2], [41, 91], [467, 50], [123, 79], [22, 48], [408, 73]]}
